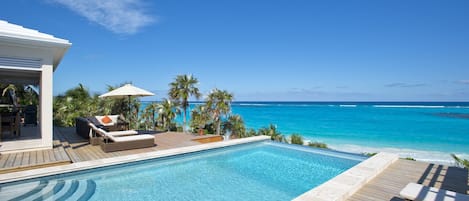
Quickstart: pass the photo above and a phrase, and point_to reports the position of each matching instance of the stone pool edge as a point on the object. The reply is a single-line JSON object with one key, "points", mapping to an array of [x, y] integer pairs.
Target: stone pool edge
{"points": [[48, 171], [347, 183]]}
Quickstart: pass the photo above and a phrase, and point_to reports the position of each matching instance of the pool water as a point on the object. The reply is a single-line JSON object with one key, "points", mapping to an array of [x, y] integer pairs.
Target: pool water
{"points": [[256, 171]]}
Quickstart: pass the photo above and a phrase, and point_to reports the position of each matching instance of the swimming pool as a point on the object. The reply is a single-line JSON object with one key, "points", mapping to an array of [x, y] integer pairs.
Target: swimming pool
{"points": [[254, 171]]}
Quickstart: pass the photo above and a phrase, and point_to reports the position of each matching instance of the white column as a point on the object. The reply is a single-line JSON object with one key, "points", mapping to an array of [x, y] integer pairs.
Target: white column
{"points": [[46, 104]]}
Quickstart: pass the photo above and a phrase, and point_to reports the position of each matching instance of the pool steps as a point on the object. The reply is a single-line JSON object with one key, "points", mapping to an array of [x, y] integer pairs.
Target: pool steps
{"points": [[54, 190]]}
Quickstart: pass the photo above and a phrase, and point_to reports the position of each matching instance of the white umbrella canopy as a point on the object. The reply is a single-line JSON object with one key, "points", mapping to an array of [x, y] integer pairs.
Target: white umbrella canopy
{"points": [[127, 90]]}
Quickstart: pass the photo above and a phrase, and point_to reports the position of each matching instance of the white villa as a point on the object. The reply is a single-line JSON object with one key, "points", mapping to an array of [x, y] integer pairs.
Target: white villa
{"points": [[27, 58]]}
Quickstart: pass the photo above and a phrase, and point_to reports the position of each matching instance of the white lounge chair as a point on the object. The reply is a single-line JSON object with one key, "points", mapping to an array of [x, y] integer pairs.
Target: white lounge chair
{"points": [[420, 192], [95, 130], [123, 140]]}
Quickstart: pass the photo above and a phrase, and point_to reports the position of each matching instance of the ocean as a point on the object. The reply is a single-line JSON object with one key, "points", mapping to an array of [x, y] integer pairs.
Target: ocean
{"points": [[426, 131]]}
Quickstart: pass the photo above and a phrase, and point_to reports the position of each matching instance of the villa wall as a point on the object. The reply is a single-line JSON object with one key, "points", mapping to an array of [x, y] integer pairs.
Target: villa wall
{"points": [[44, 56]]}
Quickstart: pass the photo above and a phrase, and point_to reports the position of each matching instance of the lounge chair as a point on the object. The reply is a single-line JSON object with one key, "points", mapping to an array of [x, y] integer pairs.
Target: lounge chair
{"points": [[96, 136], [82, 124], [122, 140], [420, 192]]}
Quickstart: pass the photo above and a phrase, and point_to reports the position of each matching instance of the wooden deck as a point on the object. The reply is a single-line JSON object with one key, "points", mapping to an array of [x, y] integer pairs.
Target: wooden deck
{"points": [[34, 159], [70, 148], [79, 149], [388, 184]]}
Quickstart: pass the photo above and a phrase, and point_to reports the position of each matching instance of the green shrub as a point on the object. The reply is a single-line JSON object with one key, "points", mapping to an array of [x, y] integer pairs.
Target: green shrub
{"points": [[369, 154], [296, 139], [409, 158], [318, 145], [251, 132], [464, 163]]}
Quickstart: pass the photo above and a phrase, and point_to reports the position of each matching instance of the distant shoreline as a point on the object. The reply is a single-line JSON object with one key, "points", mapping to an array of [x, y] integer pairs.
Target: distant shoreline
{"points": [[410, 103]]}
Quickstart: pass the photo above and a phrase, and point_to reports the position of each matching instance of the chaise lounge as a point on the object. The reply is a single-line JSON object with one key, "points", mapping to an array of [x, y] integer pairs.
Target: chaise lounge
{"points": [[116, 123], [420, 192], [121, 140]]}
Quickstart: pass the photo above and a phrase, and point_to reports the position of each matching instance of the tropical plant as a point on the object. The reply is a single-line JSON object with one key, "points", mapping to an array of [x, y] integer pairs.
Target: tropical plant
{"points": [[181, 89], [271, 131], [296, 139], [74, 103], [320, 145], [464, 163], [369, 154], [24, 94], [251, 132], [235, 124], [149, 115], [409, 158], [167, 112], [9, 87], [200, 117], [219, 104]]}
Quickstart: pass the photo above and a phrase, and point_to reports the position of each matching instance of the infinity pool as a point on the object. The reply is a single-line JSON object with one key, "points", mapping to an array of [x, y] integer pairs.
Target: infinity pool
{"points": [[255, 171]]}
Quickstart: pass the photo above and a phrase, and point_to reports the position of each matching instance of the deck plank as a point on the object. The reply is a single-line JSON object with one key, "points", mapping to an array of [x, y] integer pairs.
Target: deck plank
{"points": [[46, 156], [18, 159], [33, 158], [40, 157], [25, 160], [51, 155], [10, 160], [3, 160]]}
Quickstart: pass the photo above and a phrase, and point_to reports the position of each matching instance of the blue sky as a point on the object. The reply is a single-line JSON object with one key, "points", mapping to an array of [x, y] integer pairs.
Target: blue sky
{"points": [[303, 50]]}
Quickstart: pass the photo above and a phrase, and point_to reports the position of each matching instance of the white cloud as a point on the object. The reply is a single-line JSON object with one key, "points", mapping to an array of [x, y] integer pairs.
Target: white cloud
{"points": [[463, 81], [404, 85], [118, 16]]}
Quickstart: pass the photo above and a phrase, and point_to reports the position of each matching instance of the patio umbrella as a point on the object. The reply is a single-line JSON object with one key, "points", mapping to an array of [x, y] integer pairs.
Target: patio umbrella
{"points": [[127, 90]]}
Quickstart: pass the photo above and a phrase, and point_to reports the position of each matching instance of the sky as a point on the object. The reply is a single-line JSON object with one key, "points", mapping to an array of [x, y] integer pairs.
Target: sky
{"points": [[262, 50]]}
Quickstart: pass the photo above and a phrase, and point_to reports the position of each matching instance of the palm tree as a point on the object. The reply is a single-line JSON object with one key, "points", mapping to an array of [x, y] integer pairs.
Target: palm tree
{"points": [[181, 89], [235, 124], [167, 111], [200, 117], [219, 104], [149, 115]]}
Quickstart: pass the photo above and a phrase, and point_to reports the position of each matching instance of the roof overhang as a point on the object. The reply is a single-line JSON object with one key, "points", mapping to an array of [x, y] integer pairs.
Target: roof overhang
{"points": [[19, 36]]}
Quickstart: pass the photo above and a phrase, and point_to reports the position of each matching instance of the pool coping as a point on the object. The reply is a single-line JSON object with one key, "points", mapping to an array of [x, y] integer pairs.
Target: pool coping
{"points": [[48, 171], [347, 183]]}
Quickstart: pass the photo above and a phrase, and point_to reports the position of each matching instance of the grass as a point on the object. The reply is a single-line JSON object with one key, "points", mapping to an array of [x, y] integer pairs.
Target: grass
{"points": [[296, 139], [369, 154], [409, 158], [318, 145]]}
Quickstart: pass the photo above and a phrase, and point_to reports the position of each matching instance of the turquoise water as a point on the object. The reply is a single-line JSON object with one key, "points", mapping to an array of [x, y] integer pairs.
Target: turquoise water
{"points": [[258, 171], [427, 131]]}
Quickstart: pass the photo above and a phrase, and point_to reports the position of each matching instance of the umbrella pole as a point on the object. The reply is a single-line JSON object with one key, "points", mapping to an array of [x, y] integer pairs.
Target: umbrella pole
{"points": [[129, 115]]}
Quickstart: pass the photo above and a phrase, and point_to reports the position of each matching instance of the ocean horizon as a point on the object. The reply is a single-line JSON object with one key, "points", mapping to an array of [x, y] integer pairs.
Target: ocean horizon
{"points": [[426, 131]]}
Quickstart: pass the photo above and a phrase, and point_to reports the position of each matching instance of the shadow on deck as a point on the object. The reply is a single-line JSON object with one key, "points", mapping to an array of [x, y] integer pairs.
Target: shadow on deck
{"points": [[388, 184]]}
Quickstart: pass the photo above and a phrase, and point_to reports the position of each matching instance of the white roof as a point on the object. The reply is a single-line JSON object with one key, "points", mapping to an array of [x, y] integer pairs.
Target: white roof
{"points": [[17, 35], [8, 30]]}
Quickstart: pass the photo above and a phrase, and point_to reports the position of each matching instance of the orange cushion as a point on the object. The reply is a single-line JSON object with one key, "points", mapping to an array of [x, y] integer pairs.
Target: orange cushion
{"points": [[106, 119]]}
